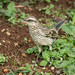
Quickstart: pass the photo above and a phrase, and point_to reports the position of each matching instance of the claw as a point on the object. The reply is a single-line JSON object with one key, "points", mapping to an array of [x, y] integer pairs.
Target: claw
{"points": [[37, 58], [36, 61], [51, 61]]}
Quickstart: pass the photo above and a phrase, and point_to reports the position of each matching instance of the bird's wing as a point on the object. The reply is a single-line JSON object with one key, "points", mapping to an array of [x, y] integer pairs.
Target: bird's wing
{"points": [[51, 32], [48, 32], [45, 30]]}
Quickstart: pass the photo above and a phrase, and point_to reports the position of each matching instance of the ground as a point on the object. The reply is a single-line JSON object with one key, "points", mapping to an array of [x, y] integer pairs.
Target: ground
{"points": [[12, 37]]}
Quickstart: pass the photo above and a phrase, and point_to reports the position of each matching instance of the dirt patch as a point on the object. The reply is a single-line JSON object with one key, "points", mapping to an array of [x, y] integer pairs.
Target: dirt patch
{"points": [[14, 43]]}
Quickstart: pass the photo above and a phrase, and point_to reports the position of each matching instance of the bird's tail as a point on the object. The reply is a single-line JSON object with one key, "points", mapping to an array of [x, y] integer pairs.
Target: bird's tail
{"points": [[58, 25]]}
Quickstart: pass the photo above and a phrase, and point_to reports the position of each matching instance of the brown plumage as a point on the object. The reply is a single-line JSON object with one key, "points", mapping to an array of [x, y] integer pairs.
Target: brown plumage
{"points": [[42, 35]]}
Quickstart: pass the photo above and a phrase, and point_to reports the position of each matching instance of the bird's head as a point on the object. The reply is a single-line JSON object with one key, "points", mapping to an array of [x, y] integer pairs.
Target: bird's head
{"points": [[31, 21]]}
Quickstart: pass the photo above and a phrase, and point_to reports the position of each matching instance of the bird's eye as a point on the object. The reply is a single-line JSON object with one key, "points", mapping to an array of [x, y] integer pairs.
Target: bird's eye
{"points": [[31, 20]]}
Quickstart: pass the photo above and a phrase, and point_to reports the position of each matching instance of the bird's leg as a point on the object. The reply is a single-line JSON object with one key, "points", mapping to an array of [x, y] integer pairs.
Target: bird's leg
{"points": [[50, 47], [39, 48]]}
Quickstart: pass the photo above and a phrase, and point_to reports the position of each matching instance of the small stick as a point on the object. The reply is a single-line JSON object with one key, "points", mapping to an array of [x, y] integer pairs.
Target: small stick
{"points": [[19, 6]]}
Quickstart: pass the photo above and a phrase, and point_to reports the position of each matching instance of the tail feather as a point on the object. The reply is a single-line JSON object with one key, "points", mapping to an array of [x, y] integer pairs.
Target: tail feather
{"points": [[58, 25]]}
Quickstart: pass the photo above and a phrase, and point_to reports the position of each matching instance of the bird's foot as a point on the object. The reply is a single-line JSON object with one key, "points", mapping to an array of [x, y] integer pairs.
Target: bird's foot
{"points": [[51, 61], [36, 60]]}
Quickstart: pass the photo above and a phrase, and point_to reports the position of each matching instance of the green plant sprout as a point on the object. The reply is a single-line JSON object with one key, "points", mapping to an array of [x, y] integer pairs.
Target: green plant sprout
{"points": [[26, 40], [3, 59], [48, 9]]}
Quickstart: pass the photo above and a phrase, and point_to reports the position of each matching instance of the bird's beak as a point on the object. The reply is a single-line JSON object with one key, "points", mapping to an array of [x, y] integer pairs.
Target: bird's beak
{"points": [[25, 20], [22, 21]]}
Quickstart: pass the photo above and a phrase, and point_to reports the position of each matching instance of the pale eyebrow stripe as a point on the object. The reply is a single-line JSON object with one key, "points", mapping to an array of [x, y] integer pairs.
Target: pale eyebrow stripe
{"points": [[32, 18]]}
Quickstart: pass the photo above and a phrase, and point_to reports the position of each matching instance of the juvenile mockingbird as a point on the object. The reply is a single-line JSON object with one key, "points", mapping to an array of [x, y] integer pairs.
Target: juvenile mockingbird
{"points": [[42, 35]]}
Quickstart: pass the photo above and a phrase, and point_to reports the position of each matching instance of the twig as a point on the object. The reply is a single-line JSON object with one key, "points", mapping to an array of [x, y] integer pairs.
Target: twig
{"points": [[19, 6]]}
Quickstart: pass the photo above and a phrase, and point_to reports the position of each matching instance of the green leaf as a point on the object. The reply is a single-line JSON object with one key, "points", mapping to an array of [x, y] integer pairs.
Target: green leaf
{"points": [[60, 41], [73, 49], [31, 50], [46, 55], [48, 1], [48, 73], [47, 11], [24, 71], [10, 74], [72, 54], [64, 64], [6, 1], [11, 7], [11, 11], [43, 63], [51, 6], [56, 63], [67, 30], [22, 15], [22, 68], [73, 19], [28, 67], [54, 53], [3, 59]]}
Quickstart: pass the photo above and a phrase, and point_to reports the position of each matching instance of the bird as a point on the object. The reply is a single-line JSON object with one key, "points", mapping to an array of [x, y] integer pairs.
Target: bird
{"points": [[41, 35]]}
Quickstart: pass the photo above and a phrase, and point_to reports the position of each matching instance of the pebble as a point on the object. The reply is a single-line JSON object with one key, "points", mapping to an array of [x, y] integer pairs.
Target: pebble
{"points": [[16, 44], [7, 33], [58, 72], [18, 62], [30, 9], [5, 70], [20, 74], [2, 30], [23, 54], [52, 68], [44, 68], [29, 41], [0, 44], [8, 41]]}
